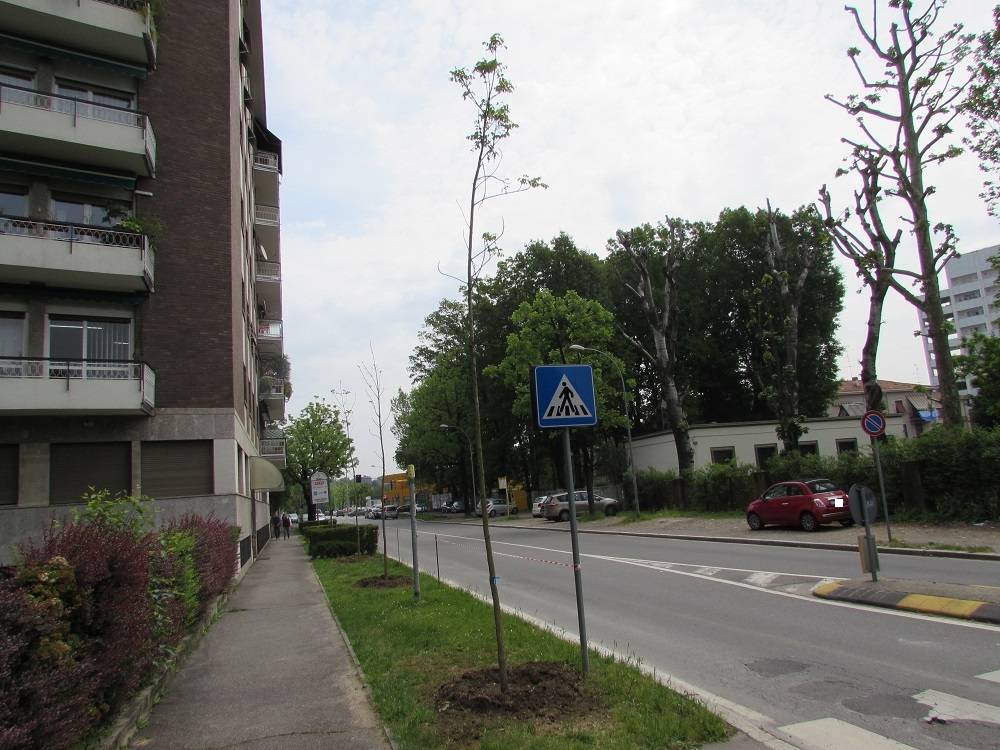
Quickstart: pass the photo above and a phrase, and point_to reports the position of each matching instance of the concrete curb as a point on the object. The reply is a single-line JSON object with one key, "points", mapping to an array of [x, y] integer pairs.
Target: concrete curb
{"points": [[965, 609], [119, 735], [762, 542]]}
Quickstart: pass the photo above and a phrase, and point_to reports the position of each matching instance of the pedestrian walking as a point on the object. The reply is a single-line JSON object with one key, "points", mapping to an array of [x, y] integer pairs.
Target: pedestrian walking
{"points": [[276, 525], [286, 525]]}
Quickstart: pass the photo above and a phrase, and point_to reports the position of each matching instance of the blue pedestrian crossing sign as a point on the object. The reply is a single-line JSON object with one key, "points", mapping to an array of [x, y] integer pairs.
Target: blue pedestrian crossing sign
{"points": [[564, 395]]}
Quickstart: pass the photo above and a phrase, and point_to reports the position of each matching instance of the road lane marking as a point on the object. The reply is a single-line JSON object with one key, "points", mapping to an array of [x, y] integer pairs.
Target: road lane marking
{"points": [[953, 708], [834, 734], [991, 676], [708, 571], [667, 567], [761, 579]]}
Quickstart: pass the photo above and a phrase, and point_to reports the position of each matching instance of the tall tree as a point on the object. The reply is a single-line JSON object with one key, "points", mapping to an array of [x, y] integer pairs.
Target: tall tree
{"points": [[983, 109], [790, 261], [667, 247], [982, 362], [316, 441], [372, 377], [544, 329], [918, 73], [486, 86]]}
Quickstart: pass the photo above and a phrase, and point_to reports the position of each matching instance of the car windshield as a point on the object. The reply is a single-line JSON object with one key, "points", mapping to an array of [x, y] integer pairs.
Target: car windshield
{"points": [[821, 485]]}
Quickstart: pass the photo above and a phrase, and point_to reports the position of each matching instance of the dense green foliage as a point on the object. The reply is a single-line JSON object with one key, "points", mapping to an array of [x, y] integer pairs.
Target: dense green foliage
{"points": [[341, 540], [945, 474], [982, 362], [316, 441]]}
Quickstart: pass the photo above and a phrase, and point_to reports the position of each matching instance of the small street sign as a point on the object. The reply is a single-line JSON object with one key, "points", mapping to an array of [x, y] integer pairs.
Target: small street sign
{"points": [[873, 423], [564, 396], [320, 488]]}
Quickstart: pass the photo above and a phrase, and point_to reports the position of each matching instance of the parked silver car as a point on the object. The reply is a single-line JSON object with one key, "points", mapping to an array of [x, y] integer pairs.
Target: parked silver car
{"points": [[536, 507], [555, 507], [496, 508]]}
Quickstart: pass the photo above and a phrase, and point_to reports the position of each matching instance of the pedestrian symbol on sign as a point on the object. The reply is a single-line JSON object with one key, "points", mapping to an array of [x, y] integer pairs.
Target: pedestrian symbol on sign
{"points": [[566, 402]]}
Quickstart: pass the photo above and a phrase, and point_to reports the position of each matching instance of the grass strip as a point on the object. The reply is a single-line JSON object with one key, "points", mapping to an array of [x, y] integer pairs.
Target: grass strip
{"points": [[407, 649], [627, 516]]}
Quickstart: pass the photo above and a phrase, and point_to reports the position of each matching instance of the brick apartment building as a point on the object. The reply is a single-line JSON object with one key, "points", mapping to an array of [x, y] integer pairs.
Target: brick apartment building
{"points": [[140, 292]]}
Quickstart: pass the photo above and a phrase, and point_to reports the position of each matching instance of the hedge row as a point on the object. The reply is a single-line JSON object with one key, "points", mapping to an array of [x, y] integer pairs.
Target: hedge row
{"points": [[340, 541], [317, 524], [945, 474], [91, 611]]}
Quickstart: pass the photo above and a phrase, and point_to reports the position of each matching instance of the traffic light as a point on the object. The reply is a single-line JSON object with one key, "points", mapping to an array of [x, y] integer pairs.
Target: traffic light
{"points": [[357, 478]]}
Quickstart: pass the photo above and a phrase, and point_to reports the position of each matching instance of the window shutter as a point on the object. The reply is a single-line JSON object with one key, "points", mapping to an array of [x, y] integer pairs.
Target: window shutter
{"points": [[75, 467], [177, 468]]}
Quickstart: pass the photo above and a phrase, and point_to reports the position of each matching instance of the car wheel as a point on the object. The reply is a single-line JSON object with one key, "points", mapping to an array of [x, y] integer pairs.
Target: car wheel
{"points": [[493, 514], [808, 522], [610, 510], [847, 522], [754, 522], [564, 515]]}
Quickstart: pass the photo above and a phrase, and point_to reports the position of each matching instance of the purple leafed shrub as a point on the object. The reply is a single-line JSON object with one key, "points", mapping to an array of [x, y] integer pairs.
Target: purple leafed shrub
{"points": [[48, 684], [112, 613], [214, 553]]}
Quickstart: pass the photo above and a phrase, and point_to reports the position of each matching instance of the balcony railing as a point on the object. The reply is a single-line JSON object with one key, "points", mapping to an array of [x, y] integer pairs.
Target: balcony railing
{"points": [[269, 215], [130, 4], [268, 270], [269, 329], [272, 388], [272, 447], [266, 160], [81, 108], [50, 368], [64, 232]]}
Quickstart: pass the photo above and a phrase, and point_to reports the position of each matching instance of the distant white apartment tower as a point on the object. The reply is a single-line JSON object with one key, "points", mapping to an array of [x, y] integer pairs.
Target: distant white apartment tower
{"points": [[969, 302]]}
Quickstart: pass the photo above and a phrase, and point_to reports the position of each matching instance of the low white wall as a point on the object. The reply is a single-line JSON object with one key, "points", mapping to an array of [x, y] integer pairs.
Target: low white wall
{"points": [[657, 451]]}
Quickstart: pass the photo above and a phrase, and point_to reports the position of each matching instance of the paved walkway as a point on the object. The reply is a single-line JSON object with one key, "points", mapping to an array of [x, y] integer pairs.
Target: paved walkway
{"points": [[273, 672]]}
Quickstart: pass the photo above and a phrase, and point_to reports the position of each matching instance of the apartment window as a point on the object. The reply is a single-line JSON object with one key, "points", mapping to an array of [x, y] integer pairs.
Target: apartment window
{"points": [[968, 278], [11, 334], [75, 467], [899, 407], [102, 104], [971, 312], [94, 338], [966, 296], [809, 449], [723, 455], [13, 201], [87, 211], [764, 453], [14, 77], [9, 459], [847, 445]]}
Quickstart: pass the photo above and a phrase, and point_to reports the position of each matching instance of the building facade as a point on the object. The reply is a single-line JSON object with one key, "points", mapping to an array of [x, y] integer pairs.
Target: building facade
{"points": [[755, 442], [918, 404], [140, 283], [969, 302]]}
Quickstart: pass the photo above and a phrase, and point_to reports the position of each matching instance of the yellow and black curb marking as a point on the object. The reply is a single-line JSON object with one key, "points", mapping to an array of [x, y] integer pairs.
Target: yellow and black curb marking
{"points": [[966, 609]]}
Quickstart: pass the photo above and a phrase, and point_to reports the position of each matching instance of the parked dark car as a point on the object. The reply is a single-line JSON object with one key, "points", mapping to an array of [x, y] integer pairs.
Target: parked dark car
{"points": [[807, 504], [455, 506]]}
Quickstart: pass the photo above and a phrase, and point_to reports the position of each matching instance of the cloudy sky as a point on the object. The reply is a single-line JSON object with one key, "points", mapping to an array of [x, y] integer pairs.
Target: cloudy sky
{"points": [[628, 109]]}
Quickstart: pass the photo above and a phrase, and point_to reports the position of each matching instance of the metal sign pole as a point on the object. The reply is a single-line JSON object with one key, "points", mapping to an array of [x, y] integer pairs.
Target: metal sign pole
{"points": [[881, 485], [577, 576], [411, 476]]}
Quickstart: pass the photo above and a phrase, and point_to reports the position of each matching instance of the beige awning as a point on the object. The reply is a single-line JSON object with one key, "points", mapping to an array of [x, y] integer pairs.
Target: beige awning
{"points": [[264, 475]]}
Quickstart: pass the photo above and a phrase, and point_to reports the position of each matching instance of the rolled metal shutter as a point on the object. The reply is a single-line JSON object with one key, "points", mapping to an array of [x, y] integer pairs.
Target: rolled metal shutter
{"points": [[177, 468], [75, 467], [9, 457]]}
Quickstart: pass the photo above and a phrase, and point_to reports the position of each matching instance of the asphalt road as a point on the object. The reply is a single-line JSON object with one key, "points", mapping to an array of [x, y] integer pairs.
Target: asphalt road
{"points": [[737, 622]]}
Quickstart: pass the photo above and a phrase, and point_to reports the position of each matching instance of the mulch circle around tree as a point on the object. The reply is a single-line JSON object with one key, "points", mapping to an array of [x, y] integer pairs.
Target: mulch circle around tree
{"points": [[539, 690], [380, 582]]}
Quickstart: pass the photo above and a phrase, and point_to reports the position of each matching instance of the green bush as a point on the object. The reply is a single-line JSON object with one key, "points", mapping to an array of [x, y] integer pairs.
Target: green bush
{"points": [[945, 474], [343, 540], [304, 526]]}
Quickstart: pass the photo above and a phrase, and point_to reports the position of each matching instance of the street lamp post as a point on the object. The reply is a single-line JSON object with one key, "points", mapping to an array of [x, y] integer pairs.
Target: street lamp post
{"points": [[628, 420], [472, 467]]}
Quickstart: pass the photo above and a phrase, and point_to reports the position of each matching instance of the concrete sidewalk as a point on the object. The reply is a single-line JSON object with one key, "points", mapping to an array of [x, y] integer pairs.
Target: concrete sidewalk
{"points": [[273, 673]]}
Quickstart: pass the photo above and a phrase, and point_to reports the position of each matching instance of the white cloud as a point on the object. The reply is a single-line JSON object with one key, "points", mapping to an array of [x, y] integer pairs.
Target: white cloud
{"points": [[629, 111]]}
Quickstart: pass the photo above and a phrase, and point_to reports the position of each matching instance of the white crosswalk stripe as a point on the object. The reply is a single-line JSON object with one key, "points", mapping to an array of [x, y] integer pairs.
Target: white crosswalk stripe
{"points": [[834, 734], [952, 708], [991, 676]]}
